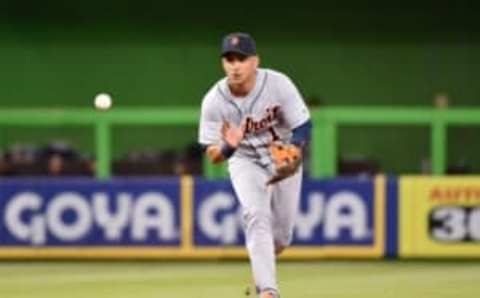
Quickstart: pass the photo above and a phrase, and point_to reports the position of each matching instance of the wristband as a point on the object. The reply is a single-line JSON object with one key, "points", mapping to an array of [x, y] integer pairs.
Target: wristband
{"points": [[227, 150]]}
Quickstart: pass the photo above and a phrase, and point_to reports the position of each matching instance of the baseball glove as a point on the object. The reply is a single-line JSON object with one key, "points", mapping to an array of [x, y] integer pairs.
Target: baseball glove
{"points": [[286, 159]]}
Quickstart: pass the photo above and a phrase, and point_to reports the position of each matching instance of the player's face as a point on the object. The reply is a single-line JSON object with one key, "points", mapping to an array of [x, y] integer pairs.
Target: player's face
{"points": [[239, 69]]}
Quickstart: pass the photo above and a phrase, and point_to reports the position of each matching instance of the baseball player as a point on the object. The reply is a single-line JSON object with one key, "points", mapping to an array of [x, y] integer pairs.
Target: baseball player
{"points": [[257, 120]]}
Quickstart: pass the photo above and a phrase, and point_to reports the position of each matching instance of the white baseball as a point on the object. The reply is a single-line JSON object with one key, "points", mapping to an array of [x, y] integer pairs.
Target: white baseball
{"points": [[103, 101]]}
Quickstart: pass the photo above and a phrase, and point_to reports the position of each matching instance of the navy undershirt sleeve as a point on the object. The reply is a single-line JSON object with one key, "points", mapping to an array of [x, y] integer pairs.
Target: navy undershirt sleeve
{"points": [[301, 134]]}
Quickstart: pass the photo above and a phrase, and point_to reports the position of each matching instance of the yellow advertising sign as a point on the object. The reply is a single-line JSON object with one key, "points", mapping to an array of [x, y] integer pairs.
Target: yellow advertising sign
{"points": [[439, 216]]}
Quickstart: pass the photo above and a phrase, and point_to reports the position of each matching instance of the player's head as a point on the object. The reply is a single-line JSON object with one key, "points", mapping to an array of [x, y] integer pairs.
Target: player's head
{"points": [[239, 57]]}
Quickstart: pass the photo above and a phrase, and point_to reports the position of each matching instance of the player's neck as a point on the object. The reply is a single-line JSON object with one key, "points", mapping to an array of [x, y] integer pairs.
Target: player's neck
{"points": [[242, 90]]}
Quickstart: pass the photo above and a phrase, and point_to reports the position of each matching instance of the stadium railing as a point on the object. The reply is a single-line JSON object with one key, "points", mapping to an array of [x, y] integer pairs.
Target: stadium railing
{"points": [[324, 140]]}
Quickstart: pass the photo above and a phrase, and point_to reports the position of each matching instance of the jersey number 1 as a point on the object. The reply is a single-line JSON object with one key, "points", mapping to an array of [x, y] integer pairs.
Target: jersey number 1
{"points": [[274, 134]]}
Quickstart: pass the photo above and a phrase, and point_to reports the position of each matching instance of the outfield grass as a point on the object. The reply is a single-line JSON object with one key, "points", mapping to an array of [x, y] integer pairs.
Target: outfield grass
{"points": [[228, 279]]}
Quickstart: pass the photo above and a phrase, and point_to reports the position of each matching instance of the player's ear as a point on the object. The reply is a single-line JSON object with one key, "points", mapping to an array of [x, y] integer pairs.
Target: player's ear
{"points": [[224, 63], [257, 61]]}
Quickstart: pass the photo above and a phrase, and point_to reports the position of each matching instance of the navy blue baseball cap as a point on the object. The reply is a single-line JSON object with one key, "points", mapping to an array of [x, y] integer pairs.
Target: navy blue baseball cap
{"points": [[240, 43]]}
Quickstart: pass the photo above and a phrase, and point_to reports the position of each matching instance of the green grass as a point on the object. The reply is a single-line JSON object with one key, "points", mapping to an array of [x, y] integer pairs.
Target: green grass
{"points": [[226, 279]]}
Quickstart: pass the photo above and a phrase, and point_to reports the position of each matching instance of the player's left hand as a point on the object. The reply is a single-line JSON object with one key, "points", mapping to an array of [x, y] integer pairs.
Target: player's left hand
{"points": [[286, 158]]}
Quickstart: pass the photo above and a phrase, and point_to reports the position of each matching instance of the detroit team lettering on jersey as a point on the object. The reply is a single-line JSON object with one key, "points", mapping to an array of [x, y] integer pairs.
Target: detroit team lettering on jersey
{"points": [[269, 112]]}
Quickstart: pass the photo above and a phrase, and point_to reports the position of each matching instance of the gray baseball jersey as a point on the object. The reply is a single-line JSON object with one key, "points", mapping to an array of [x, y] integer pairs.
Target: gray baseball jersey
{"points": [[270, 111]]}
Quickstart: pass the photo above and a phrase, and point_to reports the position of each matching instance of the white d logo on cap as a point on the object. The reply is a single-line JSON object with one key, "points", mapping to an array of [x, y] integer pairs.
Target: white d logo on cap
{"points": [[234, 41]]}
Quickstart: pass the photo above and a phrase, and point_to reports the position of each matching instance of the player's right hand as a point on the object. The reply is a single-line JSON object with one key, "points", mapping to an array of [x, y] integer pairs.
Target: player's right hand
{"points": [[232, 134]]}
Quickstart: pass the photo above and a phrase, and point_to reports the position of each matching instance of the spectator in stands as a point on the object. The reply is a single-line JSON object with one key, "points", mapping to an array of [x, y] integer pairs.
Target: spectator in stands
{"points": [[55, 165], [441, 100], [22, 160]]}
